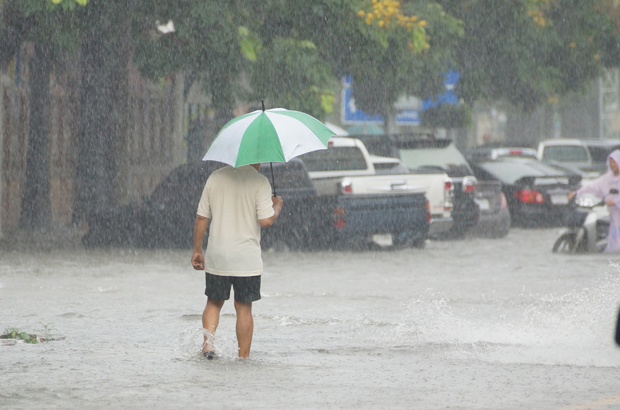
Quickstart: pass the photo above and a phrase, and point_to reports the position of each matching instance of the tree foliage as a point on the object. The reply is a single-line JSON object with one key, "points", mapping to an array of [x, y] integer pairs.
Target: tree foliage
{"points": [[527, 51]]}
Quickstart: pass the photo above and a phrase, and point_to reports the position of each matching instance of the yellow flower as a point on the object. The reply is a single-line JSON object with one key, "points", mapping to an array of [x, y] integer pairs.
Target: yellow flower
{"points": [[361, 13], [572, 45], [422, 23]]}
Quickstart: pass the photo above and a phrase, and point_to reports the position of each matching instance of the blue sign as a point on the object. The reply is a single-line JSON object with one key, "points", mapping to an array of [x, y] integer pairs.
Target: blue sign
{"points": [[353, 115], [449, 97]]}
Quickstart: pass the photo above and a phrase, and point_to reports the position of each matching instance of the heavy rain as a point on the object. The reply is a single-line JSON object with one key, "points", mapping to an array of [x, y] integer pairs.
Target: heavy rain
{"points": [[449, 232]]}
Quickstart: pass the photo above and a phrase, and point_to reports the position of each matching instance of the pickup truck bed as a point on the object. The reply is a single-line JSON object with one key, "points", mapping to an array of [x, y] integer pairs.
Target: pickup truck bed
{"points": [[397, 219], [347, 169], [309, 220]]}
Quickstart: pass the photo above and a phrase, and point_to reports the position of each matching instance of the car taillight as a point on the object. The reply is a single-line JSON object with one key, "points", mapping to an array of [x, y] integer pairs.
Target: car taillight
{"points": [[339, 218], [470, 184], [529, 196], [503, 203], [448, 195], [346, 186], [428, 212]]}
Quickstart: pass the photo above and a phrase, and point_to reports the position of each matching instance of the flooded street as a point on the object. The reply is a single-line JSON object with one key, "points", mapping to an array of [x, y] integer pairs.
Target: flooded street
{"points": [[472, 324]]}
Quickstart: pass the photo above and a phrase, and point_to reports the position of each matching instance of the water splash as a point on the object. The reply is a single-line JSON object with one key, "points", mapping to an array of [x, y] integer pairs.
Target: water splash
{"points": [[190, 343], [574, 328]]}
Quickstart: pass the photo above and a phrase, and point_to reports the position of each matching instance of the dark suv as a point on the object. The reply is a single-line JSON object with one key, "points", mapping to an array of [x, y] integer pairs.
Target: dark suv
{"points": [[424, 152]]}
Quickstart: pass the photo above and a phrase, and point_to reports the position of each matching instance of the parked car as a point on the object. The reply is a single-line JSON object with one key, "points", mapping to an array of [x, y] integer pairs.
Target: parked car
{"points": [[485, 153], [599, 151], [388, 165], [346, 168], [164, 219], [297, 225], [537, 193], [494, 219], [425, 153], [572, 152]]}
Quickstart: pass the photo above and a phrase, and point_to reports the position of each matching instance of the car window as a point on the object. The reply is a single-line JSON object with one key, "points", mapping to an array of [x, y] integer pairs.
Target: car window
{"points": [[565, 153], [289, 176], [448, 158], [183, 185], [335, 159], [510, 172], [390, 168], [599, 154]]}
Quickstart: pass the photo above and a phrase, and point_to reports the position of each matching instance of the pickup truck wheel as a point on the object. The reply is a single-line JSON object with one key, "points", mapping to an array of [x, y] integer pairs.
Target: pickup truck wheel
{"points": [[406, 242]]}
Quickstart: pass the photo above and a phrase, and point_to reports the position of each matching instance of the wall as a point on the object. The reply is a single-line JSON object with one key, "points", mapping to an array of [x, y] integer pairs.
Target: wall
{"points": [[153, 145]]}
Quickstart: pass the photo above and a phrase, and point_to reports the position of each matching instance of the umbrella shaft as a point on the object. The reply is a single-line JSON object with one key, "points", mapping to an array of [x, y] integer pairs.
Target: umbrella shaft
{"points": [[273, 181]]}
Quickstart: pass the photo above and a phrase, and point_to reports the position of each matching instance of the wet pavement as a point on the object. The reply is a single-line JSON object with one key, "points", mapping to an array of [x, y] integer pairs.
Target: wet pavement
{"points": [[471, 324]]}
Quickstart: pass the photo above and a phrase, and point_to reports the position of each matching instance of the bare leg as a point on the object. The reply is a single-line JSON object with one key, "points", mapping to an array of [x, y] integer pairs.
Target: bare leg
{"points": [[245, 327], [210, 320]]}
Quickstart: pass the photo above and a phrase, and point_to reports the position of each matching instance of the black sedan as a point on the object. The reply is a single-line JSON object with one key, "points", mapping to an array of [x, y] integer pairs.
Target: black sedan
{"points": [[537, 193], [165, 219]]}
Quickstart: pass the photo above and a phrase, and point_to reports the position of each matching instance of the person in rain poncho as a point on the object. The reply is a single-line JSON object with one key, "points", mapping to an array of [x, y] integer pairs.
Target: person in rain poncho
{"points": [[601, 187]]}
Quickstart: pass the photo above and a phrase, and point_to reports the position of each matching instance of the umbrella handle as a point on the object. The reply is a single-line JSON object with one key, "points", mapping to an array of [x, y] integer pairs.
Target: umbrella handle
{"points": [[273, 181]]}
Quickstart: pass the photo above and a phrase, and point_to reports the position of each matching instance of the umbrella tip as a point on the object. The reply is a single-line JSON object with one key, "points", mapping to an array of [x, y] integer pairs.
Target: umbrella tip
{"points": [[263, 103]]}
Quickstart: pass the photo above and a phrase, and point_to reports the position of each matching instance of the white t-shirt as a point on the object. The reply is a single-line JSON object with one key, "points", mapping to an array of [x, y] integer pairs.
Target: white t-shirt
{"points": [[234, 199]]}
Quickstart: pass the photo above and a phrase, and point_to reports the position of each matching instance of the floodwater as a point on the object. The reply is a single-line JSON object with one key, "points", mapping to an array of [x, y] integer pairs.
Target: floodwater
{"points": [[475, 324]]}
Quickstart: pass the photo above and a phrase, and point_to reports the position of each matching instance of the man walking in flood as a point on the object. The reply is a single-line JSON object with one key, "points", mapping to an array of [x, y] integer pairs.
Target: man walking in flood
{"points": [[237, 202]]}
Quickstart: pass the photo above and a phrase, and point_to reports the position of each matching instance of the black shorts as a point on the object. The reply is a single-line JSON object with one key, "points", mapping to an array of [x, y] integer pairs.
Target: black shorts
{"points": [[247, 288]]}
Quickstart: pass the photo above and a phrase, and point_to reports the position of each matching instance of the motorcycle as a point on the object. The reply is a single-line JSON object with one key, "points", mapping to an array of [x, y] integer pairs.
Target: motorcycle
{"points": [[587, 228]]}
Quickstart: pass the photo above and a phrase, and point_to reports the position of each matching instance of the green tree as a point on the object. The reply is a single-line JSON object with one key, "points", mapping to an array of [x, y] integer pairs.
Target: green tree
{"points": [[401, 49], [527, 51]]}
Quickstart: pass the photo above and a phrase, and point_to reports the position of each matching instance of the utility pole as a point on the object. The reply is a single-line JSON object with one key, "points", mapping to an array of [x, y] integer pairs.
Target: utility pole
{"points": [[608, 101]]}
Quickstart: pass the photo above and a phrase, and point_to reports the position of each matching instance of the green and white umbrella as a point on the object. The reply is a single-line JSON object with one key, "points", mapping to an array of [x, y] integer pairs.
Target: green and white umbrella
{"points": [[275, 135]]}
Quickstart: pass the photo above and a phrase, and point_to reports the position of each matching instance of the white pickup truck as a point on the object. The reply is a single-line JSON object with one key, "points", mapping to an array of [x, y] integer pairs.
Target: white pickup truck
{"points": [[346, 168]]}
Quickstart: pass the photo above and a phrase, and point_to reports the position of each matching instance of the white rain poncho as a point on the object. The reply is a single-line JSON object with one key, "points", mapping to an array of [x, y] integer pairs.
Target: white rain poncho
{"points": [[601, 187]]}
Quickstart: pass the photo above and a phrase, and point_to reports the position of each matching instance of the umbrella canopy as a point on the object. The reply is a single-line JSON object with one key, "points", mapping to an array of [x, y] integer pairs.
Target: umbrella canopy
{"points": [[275, 135]]}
